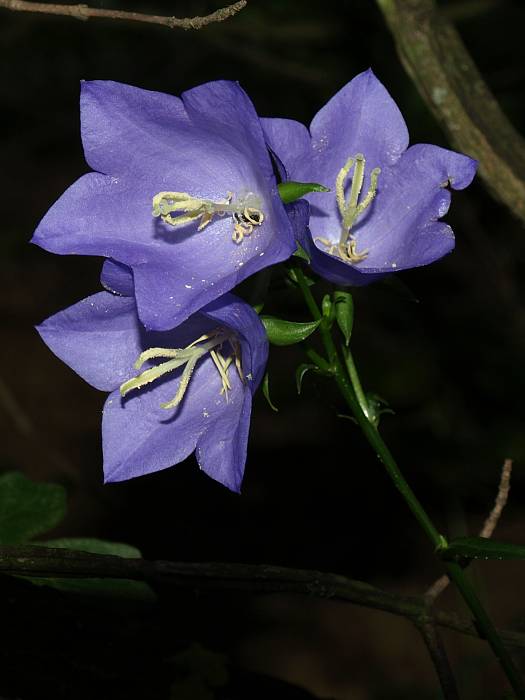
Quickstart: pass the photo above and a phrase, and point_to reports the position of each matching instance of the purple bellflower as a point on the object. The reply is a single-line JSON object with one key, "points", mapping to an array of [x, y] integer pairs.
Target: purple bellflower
{"points": [[172, 392], [184, 194], [386, 199]]}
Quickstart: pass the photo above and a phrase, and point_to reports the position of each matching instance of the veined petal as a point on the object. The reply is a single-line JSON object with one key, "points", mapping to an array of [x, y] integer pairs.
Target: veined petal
{"points": [[221, 450], [402, 229], [140, 437], [98, 337], [123, 126]]}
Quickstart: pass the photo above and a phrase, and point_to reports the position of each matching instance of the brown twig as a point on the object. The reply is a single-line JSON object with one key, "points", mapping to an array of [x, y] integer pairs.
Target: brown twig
{"points": [[437, 588], [43, 562], [443, 71], [433, 641], [83, 12]]}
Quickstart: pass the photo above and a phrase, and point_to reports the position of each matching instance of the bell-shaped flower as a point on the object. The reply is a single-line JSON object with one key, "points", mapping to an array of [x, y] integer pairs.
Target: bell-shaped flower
{"points": [[184, 194], [386, 199], [172, 392]]}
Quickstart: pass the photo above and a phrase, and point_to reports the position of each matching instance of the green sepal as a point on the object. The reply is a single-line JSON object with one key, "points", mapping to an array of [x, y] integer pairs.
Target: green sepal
{"points": [[326, 307], [290, 191], [482, 548], [301, 371], [300, 252], [28, 509], [344, 313], [266, 392], [282, 332], [292, 276], [258, 307]]}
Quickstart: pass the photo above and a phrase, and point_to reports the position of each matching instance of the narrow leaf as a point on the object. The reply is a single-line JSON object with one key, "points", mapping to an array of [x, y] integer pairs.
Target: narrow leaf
{"points": [[301, 253], [301, 371], [482, 548], [28, 509], [290, 191], [266, 393], [344, 313], [282, 332]]}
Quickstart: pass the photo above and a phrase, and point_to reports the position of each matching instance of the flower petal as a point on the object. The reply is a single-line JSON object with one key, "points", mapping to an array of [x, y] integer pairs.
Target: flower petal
{"points": [[221, 450], [98, 337], [360, 118], [123, 126], [117, 278], [290, 140], [403, 229], [140, 437]]}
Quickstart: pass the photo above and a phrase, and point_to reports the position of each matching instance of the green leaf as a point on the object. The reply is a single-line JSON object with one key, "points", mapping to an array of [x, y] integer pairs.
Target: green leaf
{"points": [[266, 392], [123, 590], [28, 509], [292, 276], [482, 548], [301, 371], [291, 191], [282, 332], [94, 546], [301, 253], [344, 313]]}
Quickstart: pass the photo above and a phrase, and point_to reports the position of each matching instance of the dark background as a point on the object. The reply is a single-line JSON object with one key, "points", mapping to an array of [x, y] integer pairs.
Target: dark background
{"points": [[444, 345]]}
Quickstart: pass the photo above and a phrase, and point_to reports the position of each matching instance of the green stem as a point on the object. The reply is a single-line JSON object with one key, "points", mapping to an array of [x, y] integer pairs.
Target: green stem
{"points": [[368, 428], [350, 394], [355, 381], [486, 627]]}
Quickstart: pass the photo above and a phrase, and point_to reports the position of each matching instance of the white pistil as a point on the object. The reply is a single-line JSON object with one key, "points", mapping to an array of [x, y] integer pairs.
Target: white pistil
{"points": [[245, 211], [212, 343], [350, 209]]}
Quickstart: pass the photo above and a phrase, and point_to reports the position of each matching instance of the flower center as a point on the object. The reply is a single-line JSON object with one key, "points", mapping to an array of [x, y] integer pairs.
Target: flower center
{"points": [[350, 209], [212, 343], [245, 211]]}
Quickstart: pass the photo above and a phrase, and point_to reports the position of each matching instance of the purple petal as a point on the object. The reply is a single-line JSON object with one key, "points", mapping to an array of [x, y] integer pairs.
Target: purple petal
{"points": [[221, 450], [402, 230], [123, 126], [230, 311], [140, 437], [290, 141], [98, 337], [117, 278]]}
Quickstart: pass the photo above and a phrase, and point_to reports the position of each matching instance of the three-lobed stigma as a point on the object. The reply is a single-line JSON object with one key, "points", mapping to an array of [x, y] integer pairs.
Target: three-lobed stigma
{"points": [[350, 209], [245, 211], [213, 343]]}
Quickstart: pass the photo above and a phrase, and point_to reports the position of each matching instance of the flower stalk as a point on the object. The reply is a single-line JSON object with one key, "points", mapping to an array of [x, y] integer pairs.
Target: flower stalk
{"points": [[350, 388]]}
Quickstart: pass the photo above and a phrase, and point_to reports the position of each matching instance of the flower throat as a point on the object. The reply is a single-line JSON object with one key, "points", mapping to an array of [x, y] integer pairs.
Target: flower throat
{"points": [[212, 343], [350, 209]]}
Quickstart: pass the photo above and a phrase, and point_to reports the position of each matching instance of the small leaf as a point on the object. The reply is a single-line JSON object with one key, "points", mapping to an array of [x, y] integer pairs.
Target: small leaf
{"points": [[301, 253], [266, 392], [93, 546], [28, 509], [482, 548], [258, 308], [344, 313], [301, 371], [326, 306], [282, 332], [377, 406], [292, 276], [290, 191]]}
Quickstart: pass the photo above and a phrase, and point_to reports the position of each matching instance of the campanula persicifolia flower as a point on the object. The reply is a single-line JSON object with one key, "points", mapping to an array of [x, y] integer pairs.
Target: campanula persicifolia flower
{"points": [[386, 198], [184, 194], [172, 392]]}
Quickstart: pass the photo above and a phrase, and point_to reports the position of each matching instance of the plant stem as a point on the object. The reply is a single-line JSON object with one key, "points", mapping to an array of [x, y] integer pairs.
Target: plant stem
{"points": [[355, 381], [349, 393], [368, 428]]}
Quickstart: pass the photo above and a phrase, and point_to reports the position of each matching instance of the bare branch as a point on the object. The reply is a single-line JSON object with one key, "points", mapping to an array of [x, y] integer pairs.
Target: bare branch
{"points": [[500, 502], [437, 588], [432, 637], [83, 12], [443, 71], [44, 562]]}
